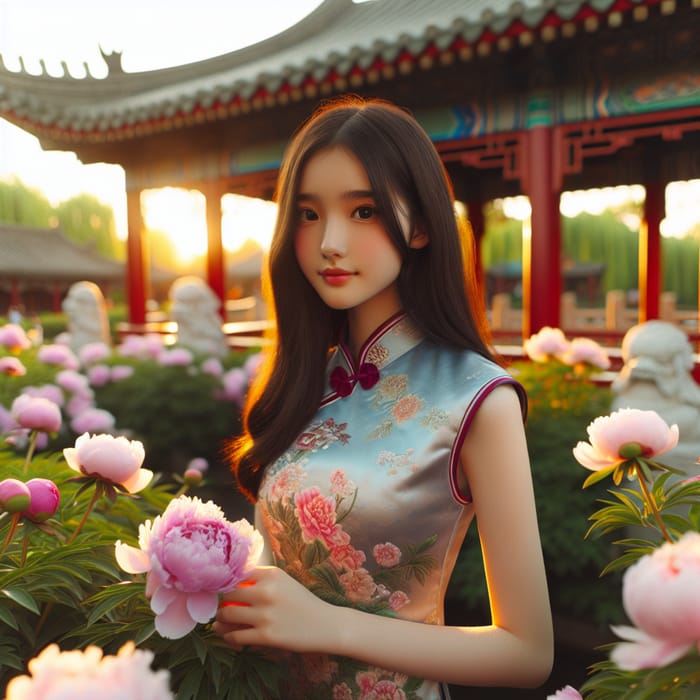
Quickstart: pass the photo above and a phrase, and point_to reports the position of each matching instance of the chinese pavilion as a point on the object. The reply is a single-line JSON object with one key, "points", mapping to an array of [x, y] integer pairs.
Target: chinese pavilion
{"points": [[526, 97]]}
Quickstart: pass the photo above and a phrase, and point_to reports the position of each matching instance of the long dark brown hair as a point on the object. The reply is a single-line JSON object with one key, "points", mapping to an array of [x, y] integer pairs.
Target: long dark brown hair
{"points": [[437, 283]]}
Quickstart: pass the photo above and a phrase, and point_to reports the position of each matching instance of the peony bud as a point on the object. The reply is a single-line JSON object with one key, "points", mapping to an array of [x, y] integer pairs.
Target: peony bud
{"points": [[15, 496], [193, 477], [45, 498]]}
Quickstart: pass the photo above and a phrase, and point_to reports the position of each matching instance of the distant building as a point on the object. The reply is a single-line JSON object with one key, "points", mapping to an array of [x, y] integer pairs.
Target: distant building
{"points": [[38, 266]]}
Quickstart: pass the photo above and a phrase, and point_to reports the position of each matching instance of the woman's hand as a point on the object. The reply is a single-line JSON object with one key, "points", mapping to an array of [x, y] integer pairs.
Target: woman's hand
{"points": [[271, 609]]}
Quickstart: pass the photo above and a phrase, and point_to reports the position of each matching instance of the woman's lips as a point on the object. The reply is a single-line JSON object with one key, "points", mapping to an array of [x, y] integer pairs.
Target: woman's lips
{"points": [[336, 277]]}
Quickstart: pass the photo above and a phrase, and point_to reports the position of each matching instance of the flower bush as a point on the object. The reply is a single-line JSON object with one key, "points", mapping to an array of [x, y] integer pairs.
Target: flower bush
{"points": [[61, 580], [67, 499], [658, 516]]}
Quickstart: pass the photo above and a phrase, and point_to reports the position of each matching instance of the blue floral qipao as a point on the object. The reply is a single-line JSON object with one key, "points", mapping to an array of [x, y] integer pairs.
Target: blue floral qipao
{"points": [[365, 508]]}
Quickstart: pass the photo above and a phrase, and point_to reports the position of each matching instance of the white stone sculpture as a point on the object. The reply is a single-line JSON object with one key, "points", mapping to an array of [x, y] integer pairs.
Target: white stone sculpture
{"points": [[195, 308], [657, 376], [86, 310]]}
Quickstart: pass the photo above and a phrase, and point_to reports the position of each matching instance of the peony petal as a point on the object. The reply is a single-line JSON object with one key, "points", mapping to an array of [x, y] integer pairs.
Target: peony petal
{"points": [[175, 622], [71, 457], [588, 456], [162, 597], [131, 559], [644, 651], [138, 481], [202, 606]]}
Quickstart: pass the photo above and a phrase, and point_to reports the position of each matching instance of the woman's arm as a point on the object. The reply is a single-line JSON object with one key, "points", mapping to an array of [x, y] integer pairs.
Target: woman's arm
{"points": [[515, 650]]}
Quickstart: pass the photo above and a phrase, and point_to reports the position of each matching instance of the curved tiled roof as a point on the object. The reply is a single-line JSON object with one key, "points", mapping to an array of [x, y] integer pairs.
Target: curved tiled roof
{"points": [[341, 45], [47, 254]]}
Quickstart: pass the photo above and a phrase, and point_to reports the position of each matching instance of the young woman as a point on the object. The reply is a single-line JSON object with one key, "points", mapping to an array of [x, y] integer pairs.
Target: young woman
{"points": [[380, 428]]}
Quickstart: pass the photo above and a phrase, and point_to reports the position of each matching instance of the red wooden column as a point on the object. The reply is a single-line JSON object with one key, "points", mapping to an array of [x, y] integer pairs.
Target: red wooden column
{"points": [[215, 247], [650, 251], [137, 259], [542, 253]]}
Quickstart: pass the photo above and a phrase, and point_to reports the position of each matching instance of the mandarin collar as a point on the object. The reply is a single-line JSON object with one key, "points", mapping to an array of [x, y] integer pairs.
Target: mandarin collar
{"points": [[393, 338]]}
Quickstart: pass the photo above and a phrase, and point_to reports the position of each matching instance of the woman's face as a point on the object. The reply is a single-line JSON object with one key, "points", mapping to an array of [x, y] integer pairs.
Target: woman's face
{"points": [[341, 243]]}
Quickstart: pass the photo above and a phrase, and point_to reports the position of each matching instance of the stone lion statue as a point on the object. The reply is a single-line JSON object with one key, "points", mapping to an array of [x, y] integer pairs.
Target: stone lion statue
{"points": [[195, 308], [86, 310], [657, 376]]}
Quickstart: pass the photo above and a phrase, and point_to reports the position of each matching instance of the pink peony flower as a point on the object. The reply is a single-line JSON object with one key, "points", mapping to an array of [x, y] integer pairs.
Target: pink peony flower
{"points": [[114, 459], [341, 486], [608, 436], [13, 337], [198, 463], [94, 352], [120, 372], [12, 367], [213, 366], [93, 420], [235, 383], [46, 391], [141, 346], [586, 350], [660, 596], [358, 584], [175, 357], [88, 674], [99, 374], [36, 413], [79, 403], [386, 554], [316, 515], [72, 381], [191, 554], [566, 693], [547, 343], [15, 495], [60, 355], [45, 498], [397, 600]]}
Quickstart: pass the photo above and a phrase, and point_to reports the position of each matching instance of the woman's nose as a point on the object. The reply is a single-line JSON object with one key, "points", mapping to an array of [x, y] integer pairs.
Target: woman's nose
{"points": [[334, 242]]}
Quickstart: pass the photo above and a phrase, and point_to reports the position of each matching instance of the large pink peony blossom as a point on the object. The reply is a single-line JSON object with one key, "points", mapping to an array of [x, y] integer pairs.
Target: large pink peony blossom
{"points": [[566, 693], [35, 413], [88, 674], [608, 436], [114, 459], [660, 595], [547, 343], [191, 554]]}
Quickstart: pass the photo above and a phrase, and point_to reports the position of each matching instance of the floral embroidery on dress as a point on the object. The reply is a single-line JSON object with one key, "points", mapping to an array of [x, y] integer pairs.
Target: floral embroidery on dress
{"points": [[392, 395], [310, 543], [378, 354], [395, 462]]}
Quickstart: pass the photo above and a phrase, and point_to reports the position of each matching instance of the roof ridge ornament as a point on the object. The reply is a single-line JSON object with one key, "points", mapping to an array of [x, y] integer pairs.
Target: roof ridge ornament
{"points": [[113, 61]]}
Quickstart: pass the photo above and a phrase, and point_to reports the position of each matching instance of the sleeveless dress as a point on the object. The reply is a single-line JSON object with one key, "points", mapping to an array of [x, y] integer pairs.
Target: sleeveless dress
{"points": [[365, 508]]}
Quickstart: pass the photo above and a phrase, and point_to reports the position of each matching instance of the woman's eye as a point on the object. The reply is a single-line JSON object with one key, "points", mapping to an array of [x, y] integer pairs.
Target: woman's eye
{"points": [[308, 215], [366, 212]]}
